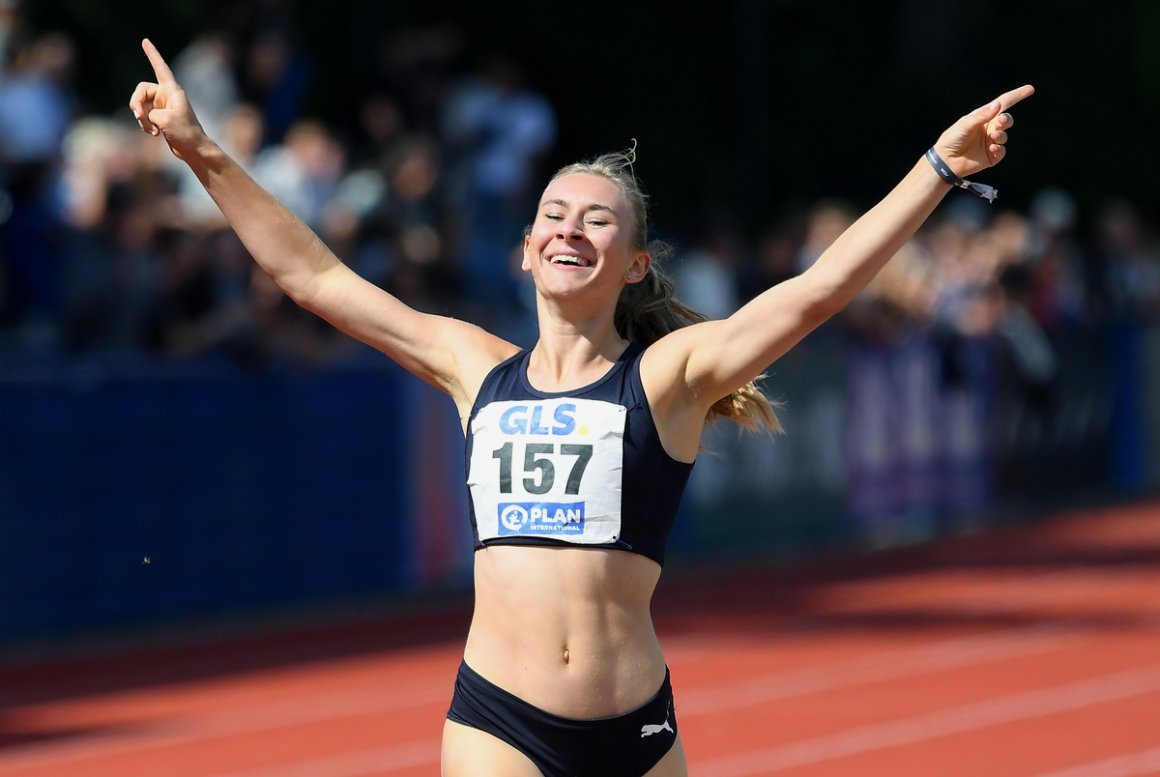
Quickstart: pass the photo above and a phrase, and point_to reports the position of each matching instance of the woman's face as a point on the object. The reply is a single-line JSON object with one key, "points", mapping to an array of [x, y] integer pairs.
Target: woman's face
{"points": [[582, 238]]}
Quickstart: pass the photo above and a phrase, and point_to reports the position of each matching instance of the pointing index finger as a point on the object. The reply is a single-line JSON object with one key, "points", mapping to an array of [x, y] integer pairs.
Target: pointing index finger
{"points": [[160, 68], [1007, 99]]}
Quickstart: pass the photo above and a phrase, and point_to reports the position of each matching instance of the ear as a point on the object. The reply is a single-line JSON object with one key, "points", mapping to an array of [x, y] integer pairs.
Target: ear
{"points": [[526, 263], [639, 267]]}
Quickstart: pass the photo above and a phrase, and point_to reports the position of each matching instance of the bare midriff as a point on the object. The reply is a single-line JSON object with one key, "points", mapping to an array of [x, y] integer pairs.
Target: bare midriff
{"points": [[567, 630]]}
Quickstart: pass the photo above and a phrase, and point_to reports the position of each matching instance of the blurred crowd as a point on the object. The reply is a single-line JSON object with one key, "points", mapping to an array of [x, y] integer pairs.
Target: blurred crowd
{"points": [[109, 246]]}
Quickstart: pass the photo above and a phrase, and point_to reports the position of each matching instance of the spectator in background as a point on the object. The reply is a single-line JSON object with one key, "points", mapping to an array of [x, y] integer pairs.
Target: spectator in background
{"points": [[113, 206], [1130, 259], [186, 292], [398, 213], [899, 302], [303, 170], [1030, 359], [414, 213], [413, 66], [276, 74], [414, 209], [117, 322], [242, 133], [1057, 296], [706, 275], [499, 132], [7, 314], [776, 255], [827, 220], [9, 26], [10, 22], [204, 310], [960, 282], [36, 102], [98, 154], [359, 220], [207, 66], [36, 106], [380, 126]]}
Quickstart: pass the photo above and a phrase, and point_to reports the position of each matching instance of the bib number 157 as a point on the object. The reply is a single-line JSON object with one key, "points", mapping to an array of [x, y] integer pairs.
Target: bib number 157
{"points": [[539, 469]]}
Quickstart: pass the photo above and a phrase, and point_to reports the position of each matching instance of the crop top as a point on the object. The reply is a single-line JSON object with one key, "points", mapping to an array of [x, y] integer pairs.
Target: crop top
{"points": [[578, 468]]}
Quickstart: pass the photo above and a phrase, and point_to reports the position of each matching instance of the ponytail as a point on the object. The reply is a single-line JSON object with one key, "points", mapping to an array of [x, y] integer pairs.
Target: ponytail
{"points": [[649, 310]]}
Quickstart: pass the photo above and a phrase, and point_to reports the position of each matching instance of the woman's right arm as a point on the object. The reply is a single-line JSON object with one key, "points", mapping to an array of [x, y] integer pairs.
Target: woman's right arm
{"points": [[450, 354]]}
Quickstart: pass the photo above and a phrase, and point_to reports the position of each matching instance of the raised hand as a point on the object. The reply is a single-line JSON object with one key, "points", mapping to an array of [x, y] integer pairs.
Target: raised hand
{"points": [[978, 140], [161, 107]]}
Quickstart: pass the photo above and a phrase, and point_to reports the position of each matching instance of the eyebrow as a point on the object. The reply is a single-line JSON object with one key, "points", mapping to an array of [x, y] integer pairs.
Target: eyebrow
{"points": [[592, 207]]}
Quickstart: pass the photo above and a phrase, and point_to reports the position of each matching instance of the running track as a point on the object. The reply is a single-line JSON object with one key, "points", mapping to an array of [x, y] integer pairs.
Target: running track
{"points": [[1031, 651]]}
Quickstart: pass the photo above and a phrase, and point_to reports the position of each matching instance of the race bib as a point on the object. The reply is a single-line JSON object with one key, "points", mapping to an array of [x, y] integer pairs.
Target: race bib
{"points": [[548, 468]]}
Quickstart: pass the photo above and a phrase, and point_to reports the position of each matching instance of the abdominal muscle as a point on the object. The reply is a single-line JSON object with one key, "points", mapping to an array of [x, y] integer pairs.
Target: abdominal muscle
{"points": [[567, 630]]}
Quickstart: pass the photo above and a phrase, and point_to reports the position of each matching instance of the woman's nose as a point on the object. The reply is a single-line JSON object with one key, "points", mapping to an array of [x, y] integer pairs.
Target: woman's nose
{"points": [[568, 228]]}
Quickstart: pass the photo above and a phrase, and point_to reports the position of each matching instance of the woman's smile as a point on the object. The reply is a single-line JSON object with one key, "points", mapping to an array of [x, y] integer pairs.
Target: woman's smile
{"points": [[573, 261]]}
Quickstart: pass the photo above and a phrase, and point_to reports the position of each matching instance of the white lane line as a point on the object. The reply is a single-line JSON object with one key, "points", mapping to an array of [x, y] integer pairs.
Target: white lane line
{"points": [[863, 670], [383, 760], [293, 712], [1146, 762], [186, 727], [271, 715], [955, 720]]}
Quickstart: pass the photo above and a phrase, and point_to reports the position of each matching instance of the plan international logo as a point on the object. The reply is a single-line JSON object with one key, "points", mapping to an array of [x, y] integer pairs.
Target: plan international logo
{"points": [[543, 519]]}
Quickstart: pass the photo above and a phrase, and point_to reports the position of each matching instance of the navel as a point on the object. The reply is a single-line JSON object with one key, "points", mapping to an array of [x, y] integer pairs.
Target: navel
{"points": [[566, 656]]}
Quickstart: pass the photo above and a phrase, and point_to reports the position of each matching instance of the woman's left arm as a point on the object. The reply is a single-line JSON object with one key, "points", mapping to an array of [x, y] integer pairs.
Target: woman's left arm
{"points": [[718, 357]]}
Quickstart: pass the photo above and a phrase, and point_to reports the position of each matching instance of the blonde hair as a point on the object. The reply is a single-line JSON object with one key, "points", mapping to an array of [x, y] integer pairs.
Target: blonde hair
{"points": [[649, 309]]}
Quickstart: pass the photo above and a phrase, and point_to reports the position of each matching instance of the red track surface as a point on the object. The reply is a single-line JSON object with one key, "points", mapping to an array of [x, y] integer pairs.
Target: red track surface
{"points": [[1028, 652]]}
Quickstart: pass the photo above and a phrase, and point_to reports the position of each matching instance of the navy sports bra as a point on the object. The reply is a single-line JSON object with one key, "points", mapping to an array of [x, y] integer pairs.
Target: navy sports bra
{"points": [[581, 468]]}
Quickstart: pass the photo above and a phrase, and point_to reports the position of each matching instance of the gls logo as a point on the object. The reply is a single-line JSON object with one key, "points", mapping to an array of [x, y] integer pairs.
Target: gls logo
{"points": [[529, 419]]}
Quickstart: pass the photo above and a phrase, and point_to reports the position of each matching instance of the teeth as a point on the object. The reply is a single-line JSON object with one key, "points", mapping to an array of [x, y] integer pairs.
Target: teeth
{"points": [[575, 261]]}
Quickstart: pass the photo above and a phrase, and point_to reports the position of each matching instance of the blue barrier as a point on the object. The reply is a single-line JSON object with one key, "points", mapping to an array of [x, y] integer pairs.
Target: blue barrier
{"points": [[130, 499], [1150, 356], [153, 496]]}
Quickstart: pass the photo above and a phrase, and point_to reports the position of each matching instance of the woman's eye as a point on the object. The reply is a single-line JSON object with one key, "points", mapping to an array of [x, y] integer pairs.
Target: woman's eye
{"points": [[553, 217], [597, 222]]}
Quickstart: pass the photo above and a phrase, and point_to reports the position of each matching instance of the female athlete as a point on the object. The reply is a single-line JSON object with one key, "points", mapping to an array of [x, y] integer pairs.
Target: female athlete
{"points": [[577, 449]]}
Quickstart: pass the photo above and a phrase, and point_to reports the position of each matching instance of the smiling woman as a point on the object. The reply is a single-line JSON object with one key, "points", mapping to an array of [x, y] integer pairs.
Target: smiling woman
{"points": [[578, 449], [647, 308]]}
